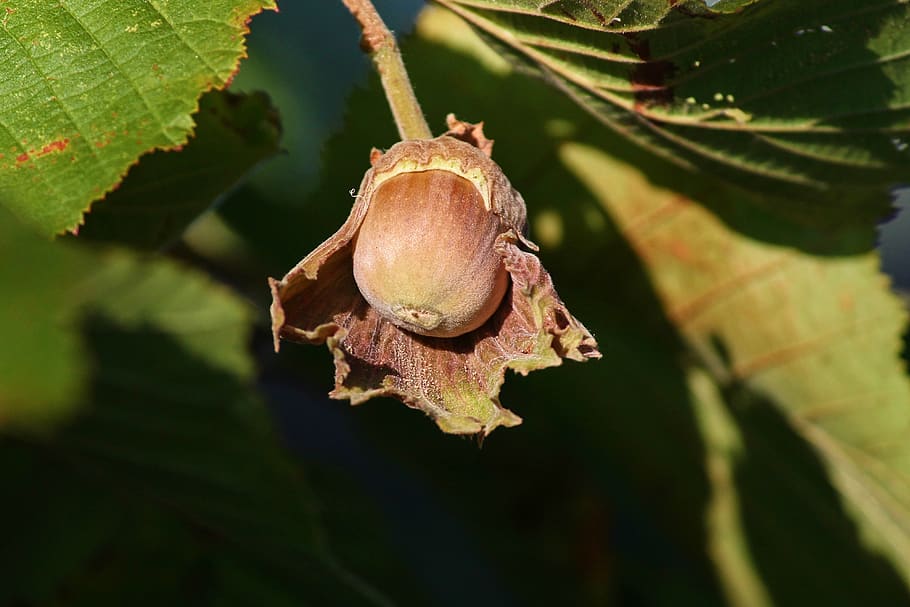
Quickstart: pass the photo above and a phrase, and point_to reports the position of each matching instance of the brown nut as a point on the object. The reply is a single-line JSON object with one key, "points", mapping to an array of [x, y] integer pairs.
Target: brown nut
{"points": [[424, 256]]}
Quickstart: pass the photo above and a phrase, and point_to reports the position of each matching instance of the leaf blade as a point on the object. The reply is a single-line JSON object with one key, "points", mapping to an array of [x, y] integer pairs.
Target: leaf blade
{"points": [[707, 90], [91, 89]]}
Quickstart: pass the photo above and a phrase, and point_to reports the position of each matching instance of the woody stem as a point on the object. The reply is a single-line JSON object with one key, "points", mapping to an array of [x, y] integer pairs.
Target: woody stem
{"points": [[379, 42]]}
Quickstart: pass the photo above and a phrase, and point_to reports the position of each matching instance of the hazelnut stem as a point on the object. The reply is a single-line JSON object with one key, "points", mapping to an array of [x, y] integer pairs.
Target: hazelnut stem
{"points": [[379, 42]]}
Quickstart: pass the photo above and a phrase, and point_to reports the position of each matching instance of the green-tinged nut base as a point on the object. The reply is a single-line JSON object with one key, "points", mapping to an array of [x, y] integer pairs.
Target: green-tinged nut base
{"points": [[428, 320], [424, 256]]}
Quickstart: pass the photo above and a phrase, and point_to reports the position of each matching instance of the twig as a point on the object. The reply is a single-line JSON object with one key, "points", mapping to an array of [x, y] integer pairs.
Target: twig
{"points": [[379, 42]]}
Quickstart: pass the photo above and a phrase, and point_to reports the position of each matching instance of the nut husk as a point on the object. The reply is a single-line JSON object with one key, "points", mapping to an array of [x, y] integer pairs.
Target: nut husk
{"points": [[454, 379]]}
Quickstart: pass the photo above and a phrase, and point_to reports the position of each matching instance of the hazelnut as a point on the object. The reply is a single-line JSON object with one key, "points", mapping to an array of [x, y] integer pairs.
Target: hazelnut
{"points": [[424, 256]]}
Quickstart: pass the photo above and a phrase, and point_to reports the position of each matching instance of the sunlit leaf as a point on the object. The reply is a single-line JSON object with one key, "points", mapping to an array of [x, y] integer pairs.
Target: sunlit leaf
{"points": [[88, 86], [816, 338]]}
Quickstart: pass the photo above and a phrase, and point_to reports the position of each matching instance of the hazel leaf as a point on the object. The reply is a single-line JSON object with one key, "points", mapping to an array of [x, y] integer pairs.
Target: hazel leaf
{"points": [[804, 102], [89, 86], [817, 339]]}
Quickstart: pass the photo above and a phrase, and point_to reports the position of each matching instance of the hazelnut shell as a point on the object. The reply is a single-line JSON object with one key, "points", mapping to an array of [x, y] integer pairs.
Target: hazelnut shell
{"points": [[424, 256]]}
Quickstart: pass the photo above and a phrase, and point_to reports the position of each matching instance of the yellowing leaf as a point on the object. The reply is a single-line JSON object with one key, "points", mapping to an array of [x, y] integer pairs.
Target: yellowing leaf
{"points": [[818, 338]]}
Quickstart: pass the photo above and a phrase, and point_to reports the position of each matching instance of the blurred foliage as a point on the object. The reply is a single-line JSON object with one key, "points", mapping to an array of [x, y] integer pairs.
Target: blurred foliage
{"points": [[742, 442], [168, 460]]}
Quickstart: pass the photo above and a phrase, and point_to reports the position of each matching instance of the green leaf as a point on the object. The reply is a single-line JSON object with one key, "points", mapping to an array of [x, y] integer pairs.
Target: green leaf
{"points": [[818, 339], [87, 89], [805, 100], [166, 191]]}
